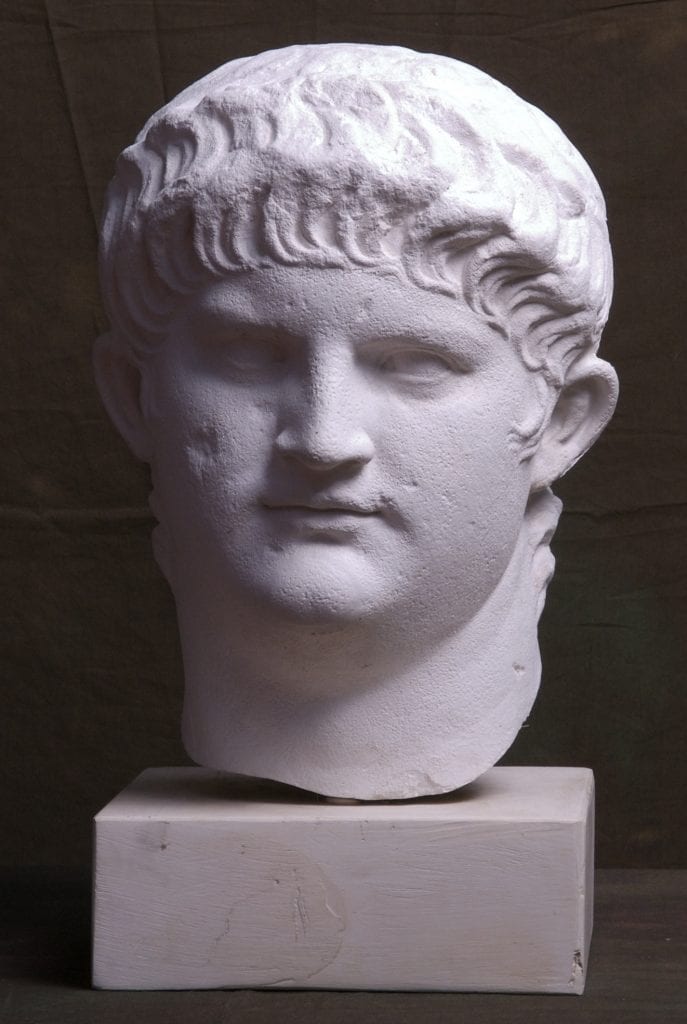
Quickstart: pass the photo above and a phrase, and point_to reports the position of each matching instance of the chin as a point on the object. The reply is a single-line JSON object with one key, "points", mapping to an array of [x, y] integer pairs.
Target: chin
{"points": [[317, 586], [317, 604]]}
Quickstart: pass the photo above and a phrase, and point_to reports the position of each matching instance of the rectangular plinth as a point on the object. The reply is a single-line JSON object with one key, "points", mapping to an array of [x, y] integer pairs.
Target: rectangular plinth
{"points": [[207, 881]]}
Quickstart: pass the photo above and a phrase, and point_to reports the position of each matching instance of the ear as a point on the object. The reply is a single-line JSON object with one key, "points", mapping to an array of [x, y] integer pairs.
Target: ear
{"points": [[584, 407], [119, 382]]}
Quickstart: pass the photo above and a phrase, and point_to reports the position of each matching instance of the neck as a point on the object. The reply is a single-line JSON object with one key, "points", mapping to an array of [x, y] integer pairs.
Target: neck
{"points": [[419, 722]]}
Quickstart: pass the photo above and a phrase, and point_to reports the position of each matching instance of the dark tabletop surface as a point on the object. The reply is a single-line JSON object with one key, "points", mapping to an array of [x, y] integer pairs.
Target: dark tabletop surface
{"points": [[637, 973]]}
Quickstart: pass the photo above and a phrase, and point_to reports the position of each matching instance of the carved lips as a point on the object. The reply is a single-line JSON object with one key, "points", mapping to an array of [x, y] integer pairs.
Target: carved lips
{"points": [[321, 514]]}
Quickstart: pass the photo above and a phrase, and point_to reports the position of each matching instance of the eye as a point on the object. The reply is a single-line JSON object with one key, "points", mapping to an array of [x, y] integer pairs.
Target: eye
{"points": [[249, 356], [416, 365]]}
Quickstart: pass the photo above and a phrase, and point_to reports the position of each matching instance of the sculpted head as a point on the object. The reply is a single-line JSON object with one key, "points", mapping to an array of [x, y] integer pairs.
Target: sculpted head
{"points": [[356, 295]]}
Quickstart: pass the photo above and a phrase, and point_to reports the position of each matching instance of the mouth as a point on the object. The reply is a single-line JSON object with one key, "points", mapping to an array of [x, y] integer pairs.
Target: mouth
{"points": [[322, 519], [323, 508]]}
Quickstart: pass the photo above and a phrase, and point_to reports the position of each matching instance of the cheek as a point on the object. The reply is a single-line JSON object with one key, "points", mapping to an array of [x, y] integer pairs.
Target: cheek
{"points": [[465, 443], [471, 481], [209, 447]]}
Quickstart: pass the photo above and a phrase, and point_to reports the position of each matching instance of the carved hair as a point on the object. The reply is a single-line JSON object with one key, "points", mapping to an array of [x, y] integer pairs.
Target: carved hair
{"points": [[350, 156]]}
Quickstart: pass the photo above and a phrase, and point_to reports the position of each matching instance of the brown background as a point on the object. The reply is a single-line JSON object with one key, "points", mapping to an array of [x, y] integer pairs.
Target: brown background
{"points": [[91, 676]]}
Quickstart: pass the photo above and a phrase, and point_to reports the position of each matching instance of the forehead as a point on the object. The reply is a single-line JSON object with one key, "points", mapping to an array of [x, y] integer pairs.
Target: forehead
{"points": [[310, 300]]}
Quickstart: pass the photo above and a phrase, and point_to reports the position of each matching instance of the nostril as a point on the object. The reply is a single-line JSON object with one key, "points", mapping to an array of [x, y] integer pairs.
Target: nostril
{"points": [[319, 452]]}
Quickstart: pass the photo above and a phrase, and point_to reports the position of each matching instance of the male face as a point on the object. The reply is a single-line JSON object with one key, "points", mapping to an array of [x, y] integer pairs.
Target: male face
{"points": [[333, 445]]}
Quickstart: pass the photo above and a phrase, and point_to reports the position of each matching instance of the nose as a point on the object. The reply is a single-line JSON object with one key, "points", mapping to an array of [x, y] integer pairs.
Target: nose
{"points": [[324, 430]]}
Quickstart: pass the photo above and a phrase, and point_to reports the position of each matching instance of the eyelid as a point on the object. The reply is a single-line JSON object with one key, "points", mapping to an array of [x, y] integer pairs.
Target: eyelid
{"points": [[459, 362], [241, 352]]}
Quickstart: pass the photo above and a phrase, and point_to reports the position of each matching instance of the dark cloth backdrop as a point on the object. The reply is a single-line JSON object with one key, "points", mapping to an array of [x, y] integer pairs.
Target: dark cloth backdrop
{"points": [[91, 676]]}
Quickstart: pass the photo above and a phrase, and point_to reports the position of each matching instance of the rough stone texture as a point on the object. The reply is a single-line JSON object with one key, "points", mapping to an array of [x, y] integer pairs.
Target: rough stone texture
{"points": [[356, 294], [205, 882]]}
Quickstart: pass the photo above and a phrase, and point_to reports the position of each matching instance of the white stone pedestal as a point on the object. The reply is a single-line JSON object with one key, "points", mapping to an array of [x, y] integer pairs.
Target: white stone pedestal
{"points": [[207, 881]]}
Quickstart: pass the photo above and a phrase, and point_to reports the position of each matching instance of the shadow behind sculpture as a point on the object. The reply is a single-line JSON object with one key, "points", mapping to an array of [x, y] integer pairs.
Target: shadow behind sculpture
{"points": [[356, 295]]}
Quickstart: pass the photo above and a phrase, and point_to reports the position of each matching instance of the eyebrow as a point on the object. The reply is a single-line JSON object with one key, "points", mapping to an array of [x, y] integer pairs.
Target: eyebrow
{"points": [[455, 343], [217, 322]]}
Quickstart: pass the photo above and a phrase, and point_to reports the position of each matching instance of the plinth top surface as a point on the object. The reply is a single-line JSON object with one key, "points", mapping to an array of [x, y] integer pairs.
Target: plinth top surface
{"points": [[504, 793]]}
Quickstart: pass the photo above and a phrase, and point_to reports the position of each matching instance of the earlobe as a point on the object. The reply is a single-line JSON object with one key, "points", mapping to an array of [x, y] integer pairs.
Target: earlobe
{"points": [[119, 382], [584, 407]]}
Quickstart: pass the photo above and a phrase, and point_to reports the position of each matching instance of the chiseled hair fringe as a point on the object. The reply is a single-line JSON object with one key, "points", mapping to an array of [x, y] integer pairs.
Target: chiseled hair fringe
{"points": [[342, 156]]}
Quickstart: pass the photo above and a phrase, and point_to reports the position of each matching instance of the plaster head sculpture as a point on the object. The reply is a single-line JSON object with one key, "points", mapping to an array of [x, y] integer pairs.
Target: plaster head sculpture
{"points": [[355, 294]]}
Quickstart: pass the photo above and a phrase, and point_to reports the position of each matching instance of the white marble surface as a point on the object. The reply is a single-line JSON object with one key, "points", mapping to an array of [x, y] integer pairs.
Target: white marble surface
{"points": [[356, 294]]}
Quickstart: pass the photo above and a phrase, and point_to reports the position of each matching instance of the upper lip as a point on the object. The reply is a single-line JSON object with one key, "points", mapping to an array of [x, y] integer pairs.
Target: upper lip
{"points": [[323, 504]]}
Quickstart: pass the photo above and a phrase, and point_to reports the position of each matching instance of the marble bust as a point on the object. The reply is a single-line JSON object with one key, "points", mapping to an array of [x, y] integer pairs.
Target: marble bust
{"points": [[356, 295]]}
